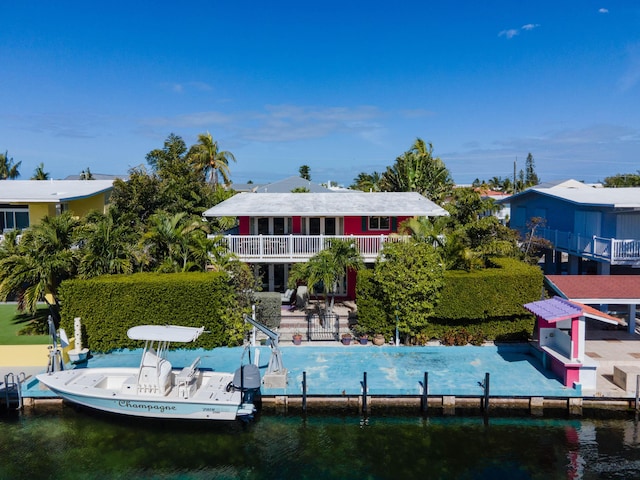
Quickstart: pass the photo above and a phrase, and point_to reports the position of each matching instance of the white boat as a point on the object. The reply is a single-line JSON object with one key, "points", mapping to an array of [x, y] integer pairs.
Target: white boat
{"points": [[155, 389]]}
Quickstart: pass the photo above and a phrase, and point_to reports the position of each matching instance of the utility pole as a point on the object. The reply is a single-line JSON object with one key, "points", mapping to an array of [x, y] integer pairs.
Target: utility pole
{"points": [[515, 185]]}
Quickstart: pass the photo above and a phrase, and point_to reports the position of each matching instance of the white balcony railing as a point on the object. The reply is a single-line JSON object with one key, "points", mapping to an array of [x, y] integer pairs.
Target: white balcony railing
{"points": [[299, 248], [611, 250]]}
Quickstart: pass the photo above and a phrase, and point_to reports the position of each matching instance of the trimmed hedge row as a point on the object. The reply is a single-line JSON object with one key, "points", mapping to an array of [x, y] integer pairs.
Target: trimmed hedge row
{"points": [[489, 293], [473, 306], [111, 304]]}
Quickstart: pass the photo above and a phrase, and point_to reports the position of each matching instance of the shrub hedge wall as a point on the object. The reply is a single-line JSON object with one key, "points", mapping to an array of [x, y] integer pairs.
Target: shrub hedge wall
{"points": [[473, 306], [111, 304], [496, 292]]}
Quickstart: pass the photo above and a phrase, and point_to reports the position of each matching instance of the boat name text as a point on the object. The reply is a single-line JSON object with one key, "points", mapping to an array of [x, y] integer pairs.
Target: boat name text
{"points": [[145, 406]]}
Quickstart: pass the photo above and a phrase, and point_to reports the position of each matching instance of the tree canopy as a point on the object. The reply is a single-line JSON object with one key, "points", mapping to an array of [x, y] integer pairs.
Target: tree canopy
{"points": [[8, 169]]}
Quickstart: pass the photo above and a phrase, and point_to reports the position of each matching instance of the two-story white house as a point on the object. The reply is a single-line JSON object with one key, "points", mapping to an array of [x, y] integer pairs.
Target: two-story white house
{"points": [[276, 230]]}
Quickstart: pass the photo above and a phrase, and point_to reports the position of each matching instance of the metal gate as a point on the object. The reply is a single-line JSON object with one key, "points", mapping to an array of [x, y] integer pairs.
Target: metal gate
{"points": [[323, 326]]}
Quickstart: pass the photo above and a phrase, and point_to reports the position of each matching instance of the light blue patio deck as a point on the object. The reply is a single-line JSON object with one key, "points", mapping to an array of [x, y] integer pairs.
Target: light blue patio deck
{"points": [[338, 370]]}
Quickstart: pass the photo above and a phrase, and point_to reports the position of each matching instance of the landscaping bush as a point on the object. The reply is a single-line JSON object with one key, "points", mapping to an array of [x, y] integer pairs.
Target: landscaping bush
{"points": [[268, 308], [111, 304], [373, 317]]}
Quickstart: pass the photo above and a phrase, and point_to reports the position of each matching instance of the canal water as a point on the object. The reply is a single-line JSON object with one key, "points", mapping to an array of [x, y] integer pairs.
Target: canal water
{"points": [[69, 443]]}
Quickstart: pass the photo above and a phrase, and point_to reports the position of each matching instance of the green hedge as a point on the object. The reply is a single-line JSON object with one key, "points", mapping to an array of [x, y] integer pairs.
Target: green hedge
{"points": [[268, 308], [489, 293], [473, 306], [111, 304]]}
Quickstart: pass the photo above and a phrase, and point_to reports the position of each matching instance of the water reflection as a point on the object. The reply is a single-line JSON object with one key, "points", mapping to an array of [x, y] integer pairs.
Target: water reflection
{"points": [[67, 443]]}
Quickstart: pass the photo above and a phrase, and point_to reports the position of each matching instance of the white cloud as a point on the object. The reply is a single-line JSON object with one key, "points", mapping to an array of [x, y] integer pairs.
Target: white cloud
{"points": [[187, 86], [281, 123], [509, 33], [631, 77], [603, 10], [512, 32]]}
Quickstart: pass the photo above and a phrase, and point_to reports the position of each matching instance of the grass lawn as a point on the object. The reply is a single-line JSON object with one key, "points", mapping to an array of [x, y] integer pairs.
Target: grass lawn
{"points": [[11, 322]]}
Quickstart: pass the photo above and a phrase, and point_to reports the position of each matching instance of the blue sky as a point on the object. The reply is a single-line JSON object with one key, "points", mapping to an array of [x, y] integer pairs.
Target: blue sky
{"points": [[343, 87]]}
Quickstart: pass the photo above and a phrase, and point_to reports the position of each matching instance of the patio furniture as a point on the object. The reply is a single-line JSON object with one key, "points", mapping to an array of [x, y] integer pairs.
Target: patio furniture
{"points": [[288, 297]]}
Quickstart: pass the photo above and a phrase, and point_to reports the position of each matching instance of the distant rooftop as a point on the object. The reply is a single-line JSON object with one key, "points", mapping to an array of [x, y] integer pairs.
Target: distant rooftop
{"points": [[584, 194], [50, 191], [99, 176]]}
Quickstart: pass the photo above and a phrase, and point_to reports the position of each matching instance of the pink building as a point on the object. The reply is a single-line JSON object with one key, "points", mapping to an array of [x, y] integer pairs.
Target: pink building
{"points": [[559, 338], [275, 230]]}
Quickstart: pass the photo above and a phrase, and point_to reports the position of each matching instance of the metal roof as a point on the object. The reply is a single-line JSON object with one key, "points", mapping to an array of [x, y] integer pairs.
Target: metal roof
{"points": [[50, 191], [554, 309], [582, 194], [326, 204]]}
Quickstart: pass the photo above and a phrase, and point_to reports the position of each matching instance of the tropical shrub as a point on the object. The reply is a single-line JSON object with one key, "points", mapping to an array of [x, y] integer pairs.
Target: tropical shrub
{"points": [[268, 311]]}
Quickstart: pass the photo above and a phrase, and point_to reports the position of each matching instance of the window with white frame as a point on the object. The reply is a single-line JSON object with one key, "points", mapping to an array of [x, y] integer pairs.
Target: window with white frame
{"points": [[379, 223], [13, 218]]}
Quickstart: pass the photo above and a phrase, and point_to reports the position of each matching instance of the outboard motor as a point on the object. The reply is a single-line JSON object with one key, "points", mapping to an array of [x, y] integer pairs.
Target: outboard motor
{"points": [[246, 379]]}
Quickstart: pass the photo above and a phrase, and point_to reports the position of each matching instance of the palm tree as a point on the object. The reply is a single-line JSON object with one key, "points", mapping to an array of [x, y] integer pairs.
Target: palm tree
{"points": [[367, 182], [39, 173], [44, 257], [328, 267], [209, 160], [107, 246], [417, 170], [177, 243], [8, 170]]}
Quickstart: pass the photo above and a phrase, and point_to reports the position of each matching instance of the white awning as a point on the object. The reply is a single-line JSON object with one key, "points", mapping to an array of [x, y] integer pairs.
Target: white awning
{"points": [[165, 333]]}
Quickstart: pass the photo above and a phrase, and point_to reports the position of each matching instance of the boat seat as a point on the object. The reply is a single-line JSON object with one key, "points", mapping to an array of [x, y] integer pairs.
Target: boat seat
{"points": [[186, 379], [155, 379]]}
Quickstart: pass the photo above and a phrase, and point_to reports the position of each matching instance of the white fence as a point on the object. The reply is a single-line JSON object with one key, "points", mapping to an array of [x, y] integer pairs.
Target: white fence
{"points": [[616, 252], [299, 248]]}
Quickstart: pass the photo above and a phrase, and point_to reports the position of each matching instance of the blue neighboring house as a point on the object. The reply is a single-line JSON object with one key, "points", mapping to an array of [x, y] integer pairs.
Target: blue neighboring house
{"points": [[586, 222]]}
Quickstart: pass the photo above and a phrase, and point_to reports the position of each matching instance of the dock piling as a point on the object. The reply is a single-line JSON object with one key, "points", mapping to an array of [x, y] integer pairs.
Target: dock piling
{"points": [[485, 385], [364, 393], [304, 392], [424, 403]]}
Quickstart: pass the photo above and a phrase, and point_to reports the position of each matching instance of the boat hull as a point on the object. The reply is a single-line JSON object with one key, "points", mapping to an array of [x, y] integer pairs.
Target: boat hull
{"points": [[114, 390]]}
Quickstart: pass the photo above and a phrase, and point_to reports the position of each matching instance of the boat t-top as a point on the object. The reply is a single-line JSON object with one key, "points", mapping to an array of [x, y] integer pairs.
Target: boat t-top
{"points": [[155, 388]]}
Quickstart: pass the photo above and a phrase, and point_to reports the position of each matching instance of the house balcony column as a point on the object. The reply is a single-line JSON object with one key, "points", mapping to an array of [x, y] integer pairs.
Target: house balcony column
{"points": [[558, 261], [574, 265], [603, 268], [632, 318], [549, 264]]}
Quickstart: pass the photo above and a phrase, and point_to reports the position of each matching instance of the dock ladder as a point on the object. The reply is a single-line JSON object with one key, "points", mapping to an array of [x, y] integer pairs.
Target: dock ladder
{"points": [[11, 390]]}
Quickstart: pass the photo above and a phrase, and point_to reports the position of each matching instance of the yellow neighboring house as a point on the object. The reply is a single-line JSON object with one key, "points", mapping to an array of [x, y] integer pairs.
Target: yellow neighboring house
{"points": [[25, 202]]}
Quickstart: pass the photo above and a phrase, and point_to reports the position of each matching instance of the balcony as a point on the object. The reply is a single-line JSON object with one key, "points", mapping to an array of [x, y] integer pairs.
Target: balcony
{"points": [[299, 248], [608, 250]]}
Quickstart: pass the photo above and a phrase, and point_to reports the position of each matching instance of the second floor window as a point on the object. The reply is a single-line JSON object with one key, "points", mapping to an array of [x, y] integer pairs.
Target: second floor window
{"points": [[379, 223]]}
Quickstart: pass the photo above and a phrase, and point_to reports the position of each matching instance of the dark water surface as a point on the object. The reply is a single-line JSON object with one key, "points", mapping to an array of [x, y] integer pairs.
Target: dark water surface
{"points": [[67, 443]]}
